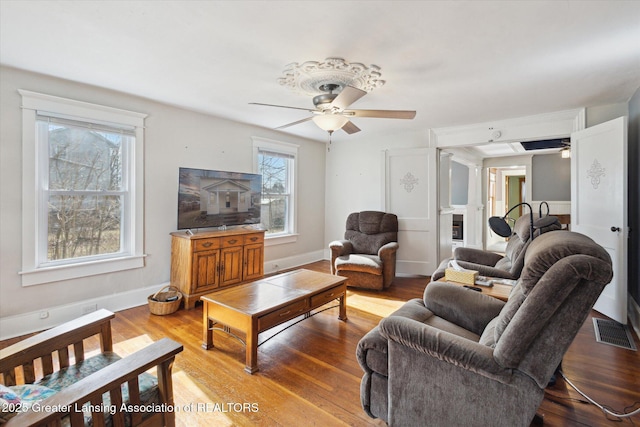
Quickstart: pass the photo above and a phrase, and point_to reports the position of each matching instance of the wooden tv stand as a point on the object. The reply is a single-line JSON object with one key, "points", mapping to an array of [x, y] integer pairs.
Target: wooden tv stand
{"points": [[206, 261]]}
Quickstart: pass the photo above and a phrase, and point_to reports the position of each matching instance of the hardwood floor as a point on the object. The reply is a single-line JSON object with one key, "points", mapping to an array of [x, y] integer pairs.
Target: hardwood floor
{"points": [[309, 374]]}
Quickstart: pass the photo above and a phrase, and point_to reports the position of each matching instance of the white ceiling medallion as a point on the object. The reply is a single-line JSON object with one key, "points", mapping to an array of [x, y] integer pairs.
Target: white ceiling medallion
{"points": [[309, 76]]}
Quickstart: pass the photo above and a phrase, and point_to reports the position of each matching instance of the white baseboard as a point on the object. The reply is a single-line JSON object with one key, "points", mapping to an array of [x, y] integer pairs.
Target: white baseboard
{"points": [[21, 324], [26, 323], [633, 310], [414, 268], [274, 266]]}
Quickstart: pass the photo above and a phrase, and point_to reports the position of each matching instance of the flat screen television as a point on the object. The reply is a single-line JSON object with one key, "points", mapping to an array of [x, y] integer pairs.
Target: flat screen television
{"points": [[209, 198]]}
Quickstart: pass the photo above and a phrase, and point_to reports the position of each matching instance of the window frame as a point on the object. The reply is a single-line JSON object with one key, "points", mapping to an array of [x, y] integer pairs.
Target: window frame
{"points": [[35, 170], [263, 144]]}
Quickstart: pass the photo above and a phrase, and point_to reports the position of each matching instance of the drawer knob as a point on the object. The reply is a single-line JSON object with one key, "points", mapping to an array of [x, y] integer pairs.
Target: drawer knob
{"points": [[285, 313], [207, 244], [253, 239], [233, 242]]}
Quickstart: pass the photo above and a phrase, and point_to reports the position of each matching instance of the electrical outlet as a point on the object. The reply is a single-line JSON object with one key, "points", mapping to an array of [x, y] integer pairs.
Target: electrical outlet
{"points": [[44, 314], [89, 308]]}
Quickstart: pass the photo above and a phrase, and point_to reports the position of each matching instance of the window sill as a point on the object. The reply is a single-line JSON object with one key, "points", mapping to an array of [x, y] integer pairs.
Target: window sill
{"points": [[280, 239], [91, 268]]}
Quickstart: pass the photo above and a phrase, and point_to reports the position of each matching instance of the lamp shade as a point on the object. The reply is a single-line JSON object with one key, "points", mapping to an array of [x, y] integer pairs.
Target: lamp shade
{"points": [[330, 122], [499, 226]]}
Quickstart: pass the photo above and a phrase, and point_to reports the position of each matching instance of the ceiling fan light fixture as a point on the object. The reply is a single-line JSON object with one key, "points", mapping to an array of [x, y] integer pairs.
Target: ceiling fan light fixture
{"points": [[330, 122], [323, 101], [339, 84]]}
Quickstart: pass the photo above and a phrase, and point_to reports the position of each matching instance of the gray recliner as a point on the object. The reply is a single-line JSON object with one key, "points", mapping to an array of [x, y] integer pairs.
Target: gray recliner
{"points": [[367, 254], [507, 266], [461, 358]]}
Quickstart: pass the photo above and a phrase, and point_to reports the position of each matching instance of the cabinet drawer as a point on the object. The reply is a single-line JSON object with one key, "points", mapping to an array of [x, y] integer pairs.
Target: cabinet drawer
{"points": [[253, 238], [326, 296], [206, 244], [283, 314], [230, 241]]}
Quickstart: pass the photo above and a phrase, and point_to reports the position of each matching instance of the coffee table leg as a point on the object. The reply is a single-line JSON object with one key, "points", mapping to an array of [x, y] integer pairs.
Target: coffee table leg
{"points": [[251, 364], [343, 307], [207, 324]]}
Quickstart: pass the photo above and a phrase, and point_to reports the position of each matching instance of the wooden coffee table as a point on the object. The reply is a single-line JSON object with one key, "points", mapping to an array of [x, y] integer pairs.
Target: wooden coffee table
{"points": [[254, 307]]}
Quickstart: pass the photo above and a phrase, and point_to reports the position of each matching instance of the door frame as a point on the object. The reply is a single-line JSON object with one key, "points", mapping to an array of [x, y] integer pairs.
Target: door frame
{"points": [[560, 124]]}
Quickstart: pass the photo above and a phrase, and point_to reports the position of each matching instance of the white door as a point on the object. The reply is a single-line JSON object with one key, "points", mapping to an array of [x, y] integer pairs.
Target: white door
{"points": [[599, 203], [411, 194]]}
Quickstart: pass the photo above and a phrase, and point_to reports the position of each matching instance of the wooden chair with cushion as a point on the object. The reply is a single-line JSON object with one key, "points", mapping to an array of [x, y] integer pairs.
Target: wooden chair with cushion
{"points": [[50, 379]]}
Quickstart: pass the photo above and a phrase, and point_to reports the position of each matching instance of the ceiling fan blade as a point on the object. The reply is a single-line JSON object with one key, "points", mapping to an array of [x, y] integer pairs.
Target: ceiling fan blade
{"points": [[348, 96], [381, 114], [282, 106], [294, 123], [350, 128]]}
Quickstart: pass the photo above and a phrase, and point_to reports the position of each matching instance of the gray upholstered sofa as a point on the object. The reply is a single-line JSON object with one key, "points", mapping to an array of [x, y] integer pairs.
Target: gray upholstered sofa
{"points": [[507, 266], [367, 254], [460, 358]]}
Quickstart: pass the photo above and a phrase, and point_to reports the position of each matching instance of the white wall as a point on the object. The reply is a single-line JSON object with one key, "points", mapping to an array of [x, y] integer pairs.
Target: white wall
{"points": [[355, 175], [603, 113], [348, 178], [174, 137]]}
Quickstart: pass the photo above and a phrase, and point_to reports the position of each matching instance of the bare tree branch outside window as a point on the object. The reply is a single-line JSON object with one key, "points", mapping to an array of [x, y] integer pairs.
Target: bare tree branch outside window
{"points": [[275, 192], [85, 194]]}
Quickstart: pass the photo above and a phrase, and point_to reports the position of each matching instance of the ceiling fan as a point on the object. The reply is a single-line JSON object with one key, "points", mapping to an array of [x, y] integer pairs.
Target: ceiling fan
{"points": [[331, 111]]}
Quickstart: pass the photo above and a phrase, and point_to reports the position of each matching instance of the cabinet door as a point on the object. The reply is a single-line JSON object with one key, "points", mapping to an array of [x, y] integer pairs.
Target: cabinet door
{"points": [[230, 266], [205, 270], [253, 261]]}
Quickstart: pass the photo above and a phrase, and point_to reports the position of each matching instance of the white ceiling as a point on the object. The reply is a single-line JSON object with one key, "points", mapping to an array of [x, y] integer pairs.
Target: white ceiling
{"points": [[454, 62]]}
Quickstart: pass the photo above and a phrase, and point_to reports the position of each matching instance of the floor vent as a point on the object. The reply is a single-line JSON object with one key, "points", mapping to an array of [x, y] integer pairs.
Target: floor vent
{"points": [[613, 333]]}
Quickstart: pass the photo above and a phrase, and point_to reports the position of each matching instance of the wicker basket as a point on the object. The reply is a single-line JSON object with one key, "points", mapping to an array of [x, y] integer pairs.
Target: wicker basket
{"points": [[165, 302]]}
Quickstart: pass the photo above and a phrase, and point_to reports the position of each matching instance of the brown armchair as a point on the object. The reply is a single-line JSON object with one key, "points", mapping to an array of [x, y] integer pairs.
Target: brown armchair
{"points": [[367, 255], [459, 357]]}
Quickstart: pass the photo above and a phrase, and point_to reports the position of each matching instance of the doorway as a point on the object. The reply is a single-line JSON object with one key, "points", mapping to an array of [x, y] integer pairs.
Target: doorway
{"points": [[506, 188], [496, 144], [515, 192]]}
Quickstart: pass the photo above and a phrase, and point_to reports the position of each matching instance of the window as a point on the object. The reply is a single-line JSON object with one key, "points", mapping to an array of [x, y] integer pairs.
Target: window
{"points": [[86, 191], [85, 163], [276, 162]]}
